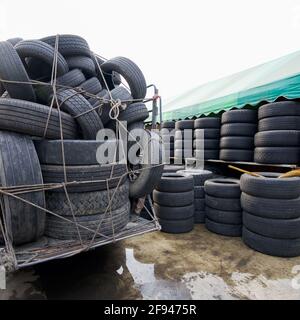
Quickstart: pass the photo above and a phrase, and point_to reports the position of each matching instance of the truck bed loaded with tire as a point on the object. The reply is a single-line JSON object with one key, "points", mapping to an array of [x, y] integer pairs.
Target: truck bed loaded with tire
{"points": [[60, 192]]}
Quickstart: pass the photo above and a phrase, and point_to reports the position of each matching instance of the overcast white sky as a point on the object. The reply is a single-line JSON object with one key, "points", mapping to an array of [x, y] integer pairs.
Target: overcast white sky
{"points": [[177, 44]]}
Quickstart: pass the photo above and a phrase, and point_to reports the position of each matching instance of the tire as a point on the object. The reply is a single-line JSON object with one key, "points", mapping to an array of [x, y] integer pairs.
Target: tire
{"points": [[135, 112], [282, 108], [172, 169], [199, 217], [270, 187], [184, 124], [175, 182], [69, 45], [176, 226], [240, 116], [20, 167], [38, 50], [236, 155], [199, 204], [279, 123], [277, 155], [96, 101], [85, 64], [76, 152], [174, 213], [223, 188], [271, 208], [77, 106], [270, 246], [31, 118], [228, 230], [173, 199], [111, 224], [224, 204], [224, 217], [209, 144], [92, 86], [207, 123], [107, 176], [87, 203], [238, 129], [186, 134], [183, 144], [199, 192], [246, 143], [208, 154], [208, 134], [14, 41], [12, 69], [278, 138], [199, 176], [168, 125], [130, 72]]}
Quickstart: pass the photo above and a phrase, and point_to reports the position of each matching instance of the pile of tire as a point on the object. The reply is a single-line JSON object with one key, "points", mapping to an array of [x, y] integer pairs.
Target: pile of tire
{"points": [[207, 137], [58, 93], [199, 176], [271, 214], [167, 133], [237, 135], [278, 137], [174, 203], [223, 212], [183, 145]]}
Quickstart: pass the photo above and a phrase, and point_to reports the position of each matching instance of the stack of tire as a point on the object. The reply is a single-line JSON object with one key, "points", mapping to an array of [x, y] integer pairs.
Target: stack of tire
{"points": [[167, 133], [222, 207], [199, 176], [278, 137], [174, 203], [66, 121], [271, 214], [237, 135], [207, 136], [183, 145]]}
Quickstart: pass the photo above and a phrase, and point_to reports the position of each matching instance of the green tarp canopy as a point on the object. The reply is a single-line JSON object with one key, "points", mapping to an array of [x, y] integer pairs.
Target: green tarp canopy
{"points": [[252, 87]]}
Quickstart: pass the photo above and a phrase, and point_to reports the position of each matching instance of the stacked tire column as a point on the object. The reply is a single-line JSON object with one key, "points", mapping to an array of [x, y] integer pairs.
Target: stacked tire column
{"points": [[183, 140], [278, 139], [167, 133], [237, 135], [174, 203], [222, 207], [209, 130]]}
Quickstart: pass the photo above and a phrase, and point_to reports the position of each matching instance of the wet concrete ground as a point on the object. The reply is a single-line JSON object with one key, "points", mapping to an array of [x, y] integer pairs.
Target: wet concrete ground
{"points": [[197, 265]]}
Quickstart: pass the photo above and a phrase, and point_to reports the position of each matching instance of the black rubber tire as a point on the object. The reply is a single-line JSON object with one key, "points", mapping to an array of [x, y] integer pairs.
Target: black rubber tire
{"points": [[199, 176], [183, 144], [224, 204], [84, 63], [270, 187], [115, 173], [209, 144], [207, 123], [223, 188], [39, 50], [130, 72], [87, 203], [240, 116], [168, 125], [12, 69], [236, 155], [278, 138], [173, 199], [111, 224], [135, 112], [20, 167], [175, 182], [277, 155], [199, 192], [14, 41], [69, 45], [96, 100], [184, 124], [279, 123], [271, 208], [246, 143], [31, 118], [199, 217], [208, 154], [177, 226], [92, 85], [172, 169], [76, 152], [174, 213], [282, 108], [270, 246], [224, 217], [238, 129], [229, 230], [199, 204], [186, 134], [77, 106], [208, 133]]}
